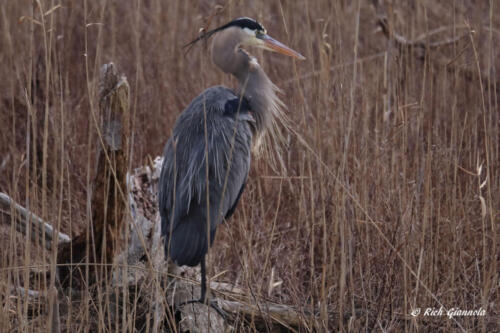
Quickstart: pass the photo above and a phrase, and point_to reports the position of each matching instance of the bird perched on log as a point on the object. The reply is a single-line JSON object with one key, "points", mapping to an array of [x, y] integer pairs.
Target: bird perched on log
{"points": [[207, 159]]}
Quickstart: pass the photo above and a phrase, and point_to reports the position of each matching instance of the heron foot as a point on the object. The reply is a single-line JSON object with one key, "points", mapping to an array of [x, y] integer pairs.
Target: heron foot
{"points": [[210, 302]]}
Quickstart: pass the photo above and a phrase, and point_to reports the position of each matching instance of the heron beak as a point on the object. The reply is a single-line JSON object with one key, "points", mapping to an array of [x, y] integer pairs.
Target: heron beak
{"points": [[272, 44]]}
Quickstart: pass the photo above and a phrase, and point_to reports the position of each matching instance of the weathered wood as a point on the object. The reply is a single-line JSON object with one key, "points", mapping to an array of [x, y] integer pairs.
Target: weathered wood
{"points": [[24, 217], [197, 317], [109, 193], [32, 295], [278, 313]]}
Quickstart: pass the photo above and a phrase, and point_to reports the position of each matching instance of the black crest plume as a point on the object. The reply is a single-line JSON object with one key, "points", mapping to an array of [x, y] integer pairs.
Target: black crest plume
{"points": [[242, 22]]}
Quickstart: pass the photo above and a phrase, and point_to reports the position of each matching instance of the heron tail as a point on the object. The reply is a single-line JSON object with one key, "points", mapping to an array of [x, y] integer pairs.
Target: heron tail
{"points": [[188, 244]]}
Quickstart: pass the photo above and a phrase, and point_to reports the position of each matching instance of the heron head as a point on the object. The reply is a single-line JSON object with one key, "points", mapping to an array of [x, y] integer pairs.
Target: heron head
{"points": [[258, 37], [253, 34]]}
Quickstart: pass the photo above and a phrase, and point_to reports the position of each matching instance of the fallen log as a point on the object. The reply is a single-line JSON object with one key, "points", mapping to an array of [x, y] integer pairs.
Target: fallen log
{"points": [[39, 228]]}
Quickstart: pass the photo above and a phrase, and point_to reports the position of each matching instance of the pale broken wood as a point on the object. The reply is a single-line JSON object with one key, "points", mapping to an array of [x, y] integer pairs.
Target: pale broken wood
{"points": [[26, 217], [33, 295], [39, 300], [279, 313], [197, 317]]}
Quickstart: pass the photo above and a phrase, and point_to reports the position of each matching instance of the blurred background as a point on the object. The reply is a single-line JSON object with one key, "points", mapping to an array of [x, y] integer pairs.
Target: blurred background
{"points": [[389, 196]]}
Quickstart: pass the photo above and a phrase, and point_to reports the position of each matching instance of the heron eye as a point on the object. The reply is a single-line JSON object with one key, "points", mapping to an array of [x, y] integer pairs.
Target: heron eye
{"points": [[259, 33]]}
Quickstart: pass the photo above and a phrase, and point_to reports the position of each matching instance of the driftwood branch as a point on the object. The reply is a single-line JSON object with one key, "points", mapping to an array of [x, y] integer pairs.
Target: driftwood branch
{"points": [[39, 227]]}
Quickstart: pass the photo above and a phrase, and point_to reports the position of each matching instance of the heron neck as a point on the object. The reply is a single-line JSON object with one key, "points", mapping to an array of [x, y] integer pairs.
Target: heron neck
{"points": [[254, 84]]}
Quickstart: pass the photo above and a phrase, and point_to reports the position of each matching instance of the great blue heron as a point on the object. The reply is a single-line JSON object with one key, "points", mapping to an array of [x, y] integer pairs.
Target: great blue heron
{"points": [[207, 159]]}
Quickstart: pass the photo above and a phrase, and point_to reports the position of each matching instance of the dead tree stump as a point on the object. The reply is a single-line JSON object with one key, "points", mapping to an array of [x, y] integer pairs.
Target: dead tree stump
{"points": [[109, 200]]}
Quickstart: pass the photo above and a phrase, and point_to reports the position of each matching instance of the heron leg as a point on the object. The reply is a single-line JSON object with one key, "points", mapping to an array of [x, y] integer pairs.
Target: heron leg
{"points": [[203, 295]]}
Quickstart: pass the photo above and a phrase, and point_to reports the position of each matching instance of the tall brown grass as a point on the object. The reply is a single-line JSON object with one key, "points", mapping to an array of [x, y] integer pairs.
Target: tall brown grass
{"points": [[390, 199]]}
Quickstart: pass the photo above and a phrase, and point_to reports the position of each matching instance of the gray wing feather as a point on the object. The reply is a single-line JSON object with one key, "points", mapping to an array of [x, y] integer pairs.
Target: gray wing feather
{"points": [[183, 181]]}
